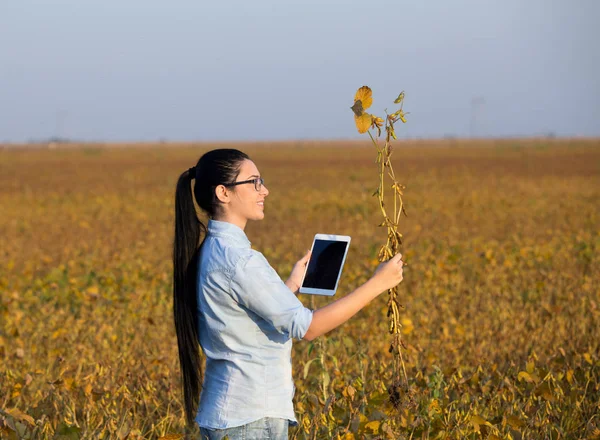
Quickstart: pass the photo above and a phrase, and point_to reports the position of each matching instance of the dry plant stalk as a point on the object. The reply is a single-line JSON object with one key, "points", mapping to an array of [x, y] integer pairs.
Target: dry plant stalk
{"points": [[364, 122]]}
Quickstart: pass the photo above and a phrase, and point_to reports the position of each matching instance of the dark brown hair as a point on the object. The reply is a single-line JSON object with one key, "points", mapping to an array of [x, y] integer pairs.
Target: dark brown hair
{"points": [[214, 168]]}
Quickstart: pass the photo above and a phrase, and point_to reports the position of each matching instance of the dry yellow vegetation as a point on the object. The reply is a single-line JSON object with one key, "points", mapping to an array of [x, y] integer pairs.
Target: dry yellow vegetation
{"points": [[501, 296]]}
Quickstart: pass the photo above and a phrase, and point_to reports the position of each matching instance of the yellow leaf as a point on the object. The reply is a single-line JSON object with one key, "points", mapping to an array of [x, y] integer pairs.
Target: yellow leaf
{"points": [[570, 376], [373, 426], [530, 366], [68, 383], [20, 416], [515, 422], [171, 437], [364, 95], [434, 406], [363, 122], [477, 421], [400, 98], [349, 391], [524, 375], [58, 333]]}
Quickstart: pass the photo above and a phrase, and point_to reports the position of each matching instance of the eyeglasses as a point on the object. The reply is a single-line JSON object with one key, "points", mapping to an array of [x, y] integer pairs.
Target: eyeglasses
{"points": [[258, 183]]}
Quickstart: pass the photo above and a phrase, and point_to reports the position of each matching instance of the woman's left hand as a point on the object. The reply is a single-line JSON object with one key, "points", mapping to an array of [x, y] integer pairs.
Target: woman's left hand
{"points": [[297, 274]]}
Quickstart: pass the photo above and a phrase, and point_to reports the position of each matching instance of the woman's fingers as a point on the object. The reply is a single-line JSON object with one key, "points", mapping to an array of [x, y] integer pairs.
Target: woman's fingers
{"points": [[304, 260], [397, 259]]}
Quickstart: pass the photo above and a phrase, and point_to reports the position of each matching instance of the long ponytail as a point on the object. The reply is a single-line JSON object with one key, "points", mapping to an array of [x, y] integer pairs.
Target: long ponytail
{"points": [[188, 229], [214, 168]]}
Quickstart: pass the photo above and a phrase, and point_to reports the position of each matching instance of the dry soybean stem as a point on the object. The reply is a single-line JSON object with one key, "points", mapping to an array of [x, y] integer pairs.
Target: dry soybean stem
{"points": [[364, 122], [391, 247]]}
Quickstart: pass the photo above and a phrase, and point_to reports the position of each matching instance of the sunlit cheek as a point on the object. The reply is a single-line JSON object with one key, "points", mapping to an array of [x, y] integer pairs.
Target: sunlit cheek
{"points": [[253, 206]]}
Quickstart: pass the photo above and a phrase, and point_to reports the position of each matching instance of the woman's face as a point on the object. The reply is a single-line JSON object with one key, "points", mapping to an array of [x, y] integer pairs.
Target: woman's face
{"points": [[243, 202]]}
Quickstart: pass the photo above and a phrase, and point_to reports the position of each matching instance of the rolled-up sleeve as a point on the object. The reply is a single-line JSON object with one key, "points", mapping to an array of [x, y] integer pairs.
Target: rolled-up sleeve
{"points": [[257, 286]]}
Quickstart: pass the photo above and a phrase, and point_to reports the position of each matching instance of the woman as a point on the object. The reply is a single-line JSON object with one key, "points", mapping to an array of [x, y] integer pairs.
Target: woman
{"points": [[228, 299]]}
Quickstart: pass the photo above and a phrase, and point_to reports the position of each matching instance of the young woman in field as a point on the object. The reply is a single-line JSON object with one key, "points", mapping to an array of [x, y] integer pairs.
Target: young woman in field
{"points": [[227, 298]]}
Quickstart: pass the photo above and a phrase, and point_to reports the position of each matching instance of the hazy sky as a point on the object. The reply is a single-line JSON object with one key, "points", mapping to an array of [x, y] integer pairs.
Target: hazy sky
{"points": [[273, 69]]}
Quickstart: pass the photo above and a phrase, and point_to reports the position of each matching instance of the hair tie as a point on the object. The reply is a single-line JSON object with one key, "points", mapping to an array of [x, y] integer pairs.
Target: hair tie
{"points": [[192, 172]]}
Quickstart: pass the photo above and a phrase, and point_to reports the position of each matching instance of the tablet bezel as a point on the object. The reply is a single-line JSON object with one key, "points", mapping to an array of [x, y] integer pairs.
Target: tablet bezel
{"points": [[327, 237]]}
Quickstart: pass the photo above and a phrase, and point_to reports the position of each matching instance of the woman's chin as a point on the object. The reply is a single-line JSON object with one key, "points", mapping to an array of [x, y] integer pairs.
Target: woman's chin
{"points": [[259, 216]]}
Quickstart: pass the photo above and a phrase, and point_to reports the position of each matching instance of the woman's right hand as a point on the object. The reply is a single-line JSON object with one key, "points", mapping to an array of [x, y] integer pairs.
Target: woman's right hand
{"points": [[389, 273]]}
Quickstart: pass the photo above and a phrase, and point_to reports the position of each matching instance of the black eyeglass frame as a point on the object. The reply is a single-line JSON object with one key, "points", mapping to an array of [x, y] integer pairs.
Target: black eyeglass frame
{"points": [[258, 179]]}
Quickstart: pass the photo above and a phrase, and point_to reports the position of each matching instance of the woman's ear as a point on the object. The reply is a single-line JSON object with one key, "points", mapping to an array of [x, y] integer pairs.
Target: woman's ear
{"points": [[222, 193]]}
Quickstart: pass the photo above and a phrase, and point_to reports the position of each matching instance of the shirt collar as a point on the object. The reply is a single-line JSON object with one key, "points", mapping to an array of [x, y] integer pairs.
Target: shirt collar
{"points": [[225, 229]]}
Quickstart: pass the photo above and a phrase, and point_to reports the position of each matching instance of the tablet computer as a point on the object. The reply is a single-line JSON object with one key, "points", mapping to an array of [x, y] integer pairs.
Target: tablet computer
{"points": [[328, 254]]}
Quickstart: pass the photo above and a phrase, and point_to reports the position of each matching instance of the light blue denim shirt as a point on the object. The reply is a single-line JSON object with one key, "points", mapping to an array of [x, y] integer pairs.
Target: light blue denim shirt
{"points": [[247, 318]]}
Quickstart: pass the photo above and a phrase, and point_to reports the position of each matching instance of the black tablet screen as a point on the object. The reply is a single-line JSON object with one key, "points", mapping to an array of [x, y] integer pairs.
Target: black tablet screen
{"points": [[324, 265]]}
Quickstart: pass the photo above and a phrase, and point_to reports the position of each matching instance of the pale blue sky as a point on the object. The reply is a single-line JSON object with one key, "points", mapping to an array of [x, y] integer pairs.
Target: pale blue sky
{"points": [[273, 69]]}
